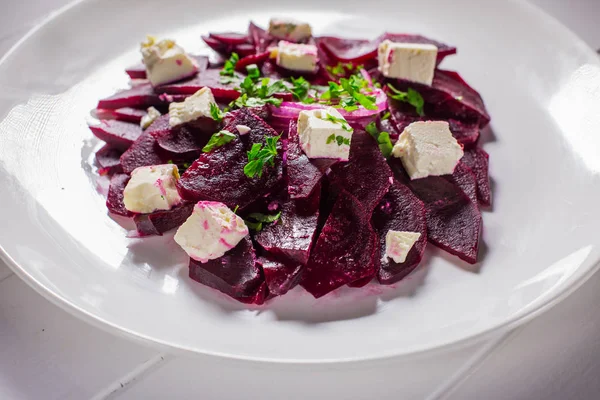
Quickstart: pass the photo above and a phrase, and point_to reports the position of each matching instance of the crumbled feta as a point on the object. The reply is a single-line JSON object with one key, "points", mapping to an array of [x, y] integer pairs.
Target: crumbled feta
{"points": [[398, 244], [324, 133], [211, 231], [428, 148], [290, 29], [411, 61], [152, 188], [166, 62], [149, 118], [242, 129], [194, 107], [297, 57]]}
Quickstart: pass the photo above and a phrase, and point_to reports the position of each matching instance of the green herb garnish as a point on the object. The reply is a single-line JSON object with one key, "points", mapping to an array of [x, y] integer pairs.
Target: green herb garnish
{"points": [[411, 97], [348, 93], [385, 116], [255, 221], [253, 72], [229, 67], [236, 208], [217, 140], [301, 90], [382, 138], [340, 121], [340, 140], [258, 156], [215, 112], [258, 94]]}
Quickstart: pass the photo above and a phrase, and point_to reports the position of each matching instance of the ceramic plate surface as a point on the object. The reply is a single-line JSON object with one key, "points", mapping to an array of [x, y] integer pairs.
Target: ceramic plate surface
{"points": [[540, 83]]}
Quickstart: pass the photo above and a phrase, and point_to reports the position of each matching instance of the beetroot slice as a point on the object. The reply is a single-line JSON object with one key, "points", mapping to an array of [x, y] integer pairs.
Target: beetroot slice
{"points": [[257, 59], [118, 134], [366, 175], [109, 159], [303, 174], [291, 237], [236, 274], [260, 37], [159, 222], [231, 38], [345, 252], [210, 78], [142, 96], [219, 175], [400, 210], [137, 71], [465, 179], [185, 140], [145, 151], [478, 160], [114, 200], [280, 277], [126, 114]]}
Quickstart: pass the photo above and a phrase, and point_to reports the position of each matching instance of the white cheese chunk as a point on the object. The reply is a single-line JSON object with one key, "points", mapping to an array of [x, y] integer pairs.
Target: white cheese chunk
{"points": [[324, 133], [242, 129], [211, 231], [152, 188], [166, 62], [290, 29], [194, 107], [297, 57], [428, 148], [149, 118], [399, 243], [411, 61]]}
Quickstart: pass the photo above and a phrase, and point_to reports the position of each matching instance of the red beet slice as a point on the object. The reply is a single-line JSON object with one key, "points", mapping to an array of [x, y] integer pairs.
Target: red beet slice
{"points": [[114, 200], [145, 151], [366, 175], [210, 78], [236, 274], [159, 222], [214, 44], [137, 71], [291, 237], [257, 59], [464, 178], [346, 251], [231, 38], [478, 160], [400, 210], [126, 114], [142, 96], [260, 38], [280, 277], [185, 140], [118, 134], [219, 175], [109, 160], [303, 174]]}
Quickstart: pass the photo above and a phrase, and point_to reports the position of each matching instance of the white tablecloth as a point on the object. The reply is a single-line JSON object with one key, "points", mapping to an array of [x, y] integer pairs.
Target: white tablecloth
{"points": [[47, 354]]}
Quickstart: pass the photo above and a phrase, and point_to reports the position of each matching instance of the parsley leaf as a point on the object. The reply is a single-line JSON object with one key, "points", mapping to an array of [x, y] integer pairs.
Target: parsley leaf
{"points": [[382, 138], [256, 95], [229, 67], [253, 72], [215, 112], [237, 207], [254, 226], [260, 219], [340, 121], [340, 140], [258, 156], [217, 140], [385, 116], [301, 89], [411, 97], [349, 93]]}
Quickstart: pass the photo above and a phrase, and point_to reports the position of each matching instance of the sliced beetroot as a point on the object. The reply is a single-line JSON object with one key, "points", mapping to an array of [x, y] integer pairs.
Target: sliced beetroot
{"points": [[114, 200], [185, 140], [291, 237], [478, 160], [211, 78], [464, 178], [366, 175], [118, 134], [145, 151], [260, 37], [400, 210], [346, 250], [159, 222], [236, 274], [137, 71], [142, 96], [257, 59], [280, 277], [230, 45], [303, 174], [214, 44], [109, 160], [126, 114], [219, 175], [232, 38], [361, 282]]}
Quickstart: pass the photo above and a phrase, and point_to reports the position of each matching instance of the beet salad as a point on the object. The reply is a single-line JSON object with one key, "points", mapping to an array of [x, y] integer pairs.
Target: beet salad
{"points": [[287, 159]]}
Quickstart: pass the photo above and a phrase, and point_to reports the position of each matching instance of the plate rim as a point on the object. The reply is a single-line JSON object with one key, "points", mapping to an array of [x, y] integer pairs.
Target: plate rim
{"points": [[509, 324]]}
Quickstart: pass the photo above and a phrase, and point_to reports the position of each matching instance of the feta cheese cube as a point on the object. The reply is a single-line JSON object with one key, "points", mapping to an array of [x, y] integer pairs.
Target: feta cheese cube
{"points": [[149, 118], [297, 57], [290, 29], [211, 231], [242, 129], [192, 108], [428, 148], [152, 188], [324, 133], [399, 243], [166, 62], [411, 61]]}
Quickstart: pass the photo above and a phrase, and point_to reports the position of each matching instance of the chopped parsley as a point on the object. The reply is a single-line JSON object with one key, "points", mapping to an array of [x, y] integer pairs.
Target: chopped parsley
{"points": [[229, 67], [340, 121], [385, 116], [215, 112], [237, 207], [255, 221], [382, 138], [217, 140], [348, 93], [226, 80], [343, 69], [340, 140], [258, 94], [411, 97], [253, 72], [258, 156], [301, 90]]}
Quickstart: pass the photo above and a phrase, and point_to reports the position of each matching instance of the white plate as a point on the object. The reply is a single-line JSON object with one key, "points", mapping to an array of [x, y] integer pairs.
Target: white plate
{"points": [[541, 85]]}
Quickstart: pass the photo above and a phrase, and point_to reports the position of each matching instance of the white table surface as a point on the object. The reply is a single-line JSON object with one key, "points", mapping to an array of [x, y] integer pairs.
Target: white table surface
{"points": [[45, 353]]}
